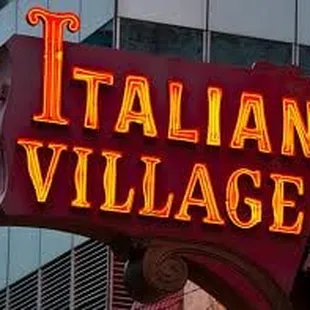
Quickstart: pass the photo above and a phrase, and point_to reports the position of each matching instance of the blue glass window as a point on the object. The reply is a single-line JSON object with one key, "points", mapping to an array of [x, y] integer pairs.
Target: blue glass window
{"points": [[161, 39], [304, 58], [3, 3], [244, 51], [101, 37]]}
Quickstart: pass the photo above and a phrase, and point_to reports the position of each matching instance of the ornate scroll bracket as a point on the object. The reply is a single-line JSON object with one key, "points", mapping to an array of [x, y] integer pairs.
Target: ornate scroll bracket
{"points": [[156, 269], [155, 273]]}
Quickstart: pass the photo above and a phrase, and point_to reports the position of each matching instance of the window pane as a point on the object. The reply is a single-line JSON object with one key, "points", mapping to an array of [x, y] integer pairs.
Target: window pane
{"points": [[24, 252], [161, 39], [305, 59], [79, 239], [244, 51], [3, 255], [3, 3], [102, 37], [54, 243]]}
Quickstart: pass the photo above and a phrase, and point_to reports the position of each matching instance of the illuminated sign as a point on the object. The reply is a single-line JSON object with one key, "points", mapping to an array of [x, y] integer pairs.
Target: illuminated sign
{"points": [[156, 147]]}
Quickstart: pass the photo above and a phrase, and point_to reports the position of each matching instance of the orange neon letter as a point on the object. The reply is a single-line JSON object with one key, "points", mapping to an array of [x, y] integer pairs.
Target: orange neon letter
{"points": [[92, 79], [80, 177], [149, 191], [41, 186], [214, 122], [200, 176], [232, 199], [292, 120], [109, 184], [251, 103], [279, 203], [136, 86], [175, 131], [54, 24]]}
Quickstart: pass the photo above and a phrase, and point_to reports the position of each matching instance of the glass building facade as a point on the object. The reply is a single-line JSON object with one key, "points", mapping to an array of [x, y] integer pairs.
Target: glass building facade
{"points": [[160, 39], [238, 32]]}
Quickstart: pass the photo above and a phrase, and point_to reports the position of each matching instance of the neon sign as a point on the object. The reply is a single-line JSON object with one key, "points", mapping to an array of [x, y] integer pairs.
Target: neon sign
{"points": [[136, 114]]}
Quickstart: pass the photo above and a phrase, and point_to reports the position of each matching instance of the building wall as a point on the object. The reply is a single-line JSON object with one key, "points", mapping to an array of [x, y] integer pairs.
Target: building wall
{"points": [[88, 276], [24, 251]]}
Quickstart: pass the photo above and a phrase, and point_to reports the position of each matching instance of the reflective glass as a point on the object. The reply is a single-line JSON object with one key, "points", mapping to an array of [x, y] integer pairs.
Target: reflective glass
{"points": [[3, 255], [161, 39], [79, 239], [4, 2], [24, 252], [244, 51], [304, 58], [54, 243], [101, 37]]}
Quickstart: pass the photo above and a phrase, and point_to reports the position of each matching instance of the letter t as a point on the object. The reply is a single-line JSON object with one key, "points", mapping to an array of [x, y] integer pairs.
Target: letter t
{"points": [[53, 25]]}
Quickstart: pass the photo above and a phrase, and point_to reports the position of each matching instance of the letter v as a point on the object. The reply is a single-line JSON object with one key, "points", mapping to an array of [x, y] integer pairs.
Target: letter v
{"points": [[41, 186]]}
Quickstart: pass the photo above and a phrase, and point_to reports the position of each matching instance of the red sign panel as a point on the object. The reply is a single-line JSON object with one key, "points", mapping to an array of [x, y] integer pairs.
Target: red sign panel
{"points": [[113, 142]]}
